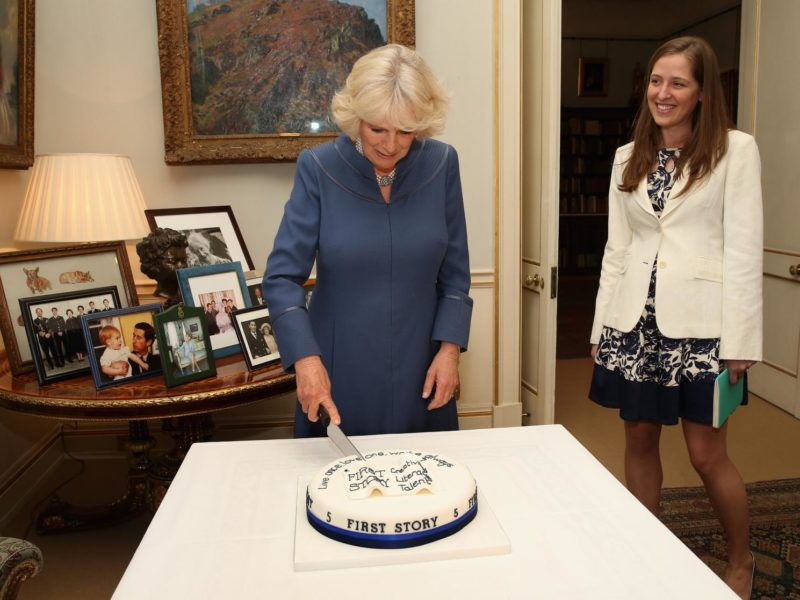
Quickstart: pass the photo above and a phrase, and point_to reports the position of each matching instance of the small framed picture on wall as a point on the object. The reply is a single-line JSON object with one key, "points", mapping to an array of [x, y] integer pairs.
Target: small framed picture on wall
{"points": [[592, 77]]}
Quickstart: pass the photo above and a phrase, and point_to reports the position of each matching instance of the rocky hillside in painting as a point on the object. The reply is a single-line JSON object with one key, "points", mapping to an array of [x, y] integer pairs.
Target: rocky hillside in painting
{"points": [[263, 66]]}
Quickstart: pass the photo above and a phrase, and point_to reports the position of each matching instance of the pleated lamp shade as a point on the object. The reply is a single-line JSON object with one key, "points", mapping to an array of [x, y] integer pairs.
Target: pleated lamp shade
{"points": [[82, 198]]}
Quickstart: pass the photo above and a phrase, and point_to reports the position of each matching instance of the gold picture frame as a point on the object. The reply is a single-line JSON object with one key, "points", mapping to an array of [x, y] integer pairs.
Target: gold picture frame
{"points": [[16, 98], [592, 77], [199, 120]]}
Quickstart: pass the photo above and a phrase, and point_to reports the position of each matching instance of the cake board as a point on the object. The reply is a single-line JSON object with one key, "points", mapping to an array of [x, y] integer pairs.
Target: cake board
{"points": [[313, 551]]}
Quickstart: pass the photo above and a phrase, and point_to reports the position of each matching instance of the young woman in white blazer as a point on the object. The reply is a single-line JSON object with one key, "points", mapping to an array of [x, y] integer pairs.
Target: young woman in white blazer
{"points": [[680, 288]]}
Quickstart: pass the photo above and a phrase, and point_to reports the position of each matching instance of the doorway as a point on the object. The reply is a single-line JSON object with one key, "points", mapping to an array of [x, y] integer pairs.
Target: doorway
{"points": [[604, 53]]}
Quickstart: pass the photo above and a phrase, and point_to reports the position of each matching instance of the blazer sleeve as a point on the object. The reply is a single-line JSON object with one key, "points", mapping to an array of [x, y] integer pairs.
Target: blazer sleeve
{"points": [[742, 257], [290, 263], [454, 309], [614, 255]]}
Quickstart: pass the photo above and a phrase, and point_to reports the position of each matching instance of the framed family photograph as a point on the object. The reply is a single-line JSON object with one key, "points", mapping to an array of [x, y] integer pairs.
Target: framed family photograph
{"points": [[254, 329], [183, 340], [52, 271], [253, 280], [218, 290], [592, 76], [121, 344], [211, 231], [54, 332], [253, 81], [17, 27]]}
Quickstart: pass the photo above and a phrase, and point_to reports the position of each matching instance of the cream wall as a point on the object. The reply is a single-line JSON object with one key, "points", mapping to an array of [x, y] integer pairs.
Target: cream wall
{"points": [[98, 90]]}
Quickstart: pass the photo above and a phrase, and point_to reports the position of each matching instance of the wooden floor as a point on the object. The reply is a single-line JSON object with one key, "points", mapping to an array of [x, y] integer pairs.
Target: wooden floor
{"points": [[576, 295], [763, 442]]}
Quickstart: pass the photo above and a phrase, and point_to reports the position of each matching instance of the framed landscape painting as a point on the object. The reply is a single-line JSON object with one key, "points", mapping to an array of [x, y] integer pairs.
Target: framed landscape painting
{"points": [[252, 80], [16, 83]]}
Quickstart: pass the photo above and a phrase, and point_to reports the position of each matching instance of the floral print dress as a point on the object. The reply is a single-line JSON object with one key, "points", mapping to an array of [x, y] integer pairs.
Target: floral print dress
{"points": [[643, 373]]}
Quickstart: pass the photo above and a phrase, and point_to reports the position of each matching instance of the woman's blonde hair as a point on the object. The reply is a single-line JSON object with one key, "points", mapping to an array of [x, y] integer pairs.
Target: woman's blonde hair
{"points": [[391, 83], [709, 139]]}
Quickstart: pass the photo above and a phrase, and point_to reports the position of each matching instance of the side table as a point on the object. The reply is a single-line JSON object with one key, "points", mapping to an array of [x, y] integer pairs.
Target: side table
{"points": [[185, 411]]}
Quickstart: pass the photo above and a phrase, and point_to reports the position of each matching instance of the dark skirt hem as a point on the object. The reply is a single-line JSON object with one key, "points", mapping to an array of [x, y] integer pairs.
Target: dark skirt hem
{"points": [[649, 401]]}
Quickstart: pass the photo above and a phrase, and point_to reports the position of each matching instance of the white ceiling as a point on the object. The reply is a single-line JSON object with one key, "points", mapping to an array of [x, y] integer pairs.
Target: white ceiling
{"points": [[649, 19]]}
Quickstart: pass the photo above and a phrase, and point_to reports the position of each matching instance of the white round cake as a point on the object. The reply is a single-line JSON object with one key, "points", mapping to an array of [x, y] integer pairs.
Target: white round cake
{"points": [[391, 499]]}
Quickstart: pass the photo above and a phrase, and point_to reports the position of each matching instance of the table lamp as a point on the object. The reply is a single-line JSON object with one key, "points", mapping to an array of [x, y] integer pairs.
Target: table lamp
{"points": [[82, 198]]}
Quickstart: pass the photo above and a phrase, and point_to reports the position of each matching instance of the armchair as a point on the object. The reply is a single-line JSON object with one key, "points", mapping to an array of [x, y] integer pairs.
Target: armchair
{"points": [[19, 561]]}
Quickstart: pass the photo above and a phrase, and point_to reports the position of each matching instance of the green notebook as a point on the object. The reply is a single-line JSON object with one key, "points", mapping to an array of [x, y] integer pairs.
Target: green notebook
{"points": [[726, 398]]}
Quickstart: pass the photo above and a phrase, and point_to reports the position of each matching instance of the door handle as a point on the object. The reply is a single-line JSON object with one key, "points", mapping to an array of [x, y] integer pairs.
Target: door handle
{"points": [[794, 270], [534, 281]]}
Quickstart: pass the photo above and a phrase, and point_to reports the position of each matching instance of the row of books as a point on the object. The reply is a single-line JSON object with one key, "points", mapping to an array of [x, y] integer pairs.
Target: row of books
{"points": [[600, 147], [575, 184], [583, 204], [581, 260], [581, 126], [580, 165], [591, 184]]}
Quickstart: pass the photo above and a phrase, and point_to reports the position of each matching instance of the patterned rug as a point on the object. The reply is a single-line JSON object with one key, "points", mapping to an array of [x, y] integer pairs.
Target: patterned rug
{"points": [[774, 533]]}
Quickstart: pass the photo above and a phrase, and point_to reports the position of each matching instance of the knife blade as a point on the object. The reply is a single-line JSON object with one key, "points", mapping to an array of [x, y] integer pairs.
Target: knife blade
{"points": [[337, 436]]}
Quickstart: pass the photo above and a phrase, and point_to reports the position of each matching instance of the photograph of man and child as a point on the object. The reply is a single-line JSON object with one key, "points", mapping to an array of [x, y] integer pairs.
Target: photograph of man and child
{"points": [[124, 347], [123, 344]]}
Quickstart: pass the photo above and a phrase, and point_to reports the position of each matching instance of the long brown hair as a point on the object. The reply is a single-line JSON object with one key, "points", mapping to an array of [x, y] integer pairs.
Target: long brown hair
{"points": [[709, 138]]}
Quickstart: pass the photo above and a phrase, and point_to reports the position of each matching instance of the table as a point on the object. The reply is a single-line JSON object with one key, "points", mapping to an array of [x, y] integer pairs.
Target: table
{"points": [[184, 411], [226, 528]]}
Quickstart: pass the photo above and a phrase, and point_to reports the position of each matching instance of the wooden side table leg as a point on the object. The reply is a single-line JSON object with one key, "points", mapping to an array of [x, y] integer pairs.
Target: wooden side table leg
{"points": [[185, 431], [61, 516]]}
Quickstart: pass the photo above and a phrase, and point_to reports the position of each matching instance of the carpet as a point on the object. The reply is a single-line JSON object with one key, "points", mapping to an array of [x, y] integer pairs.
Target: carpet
{"points": [[774, 533]]}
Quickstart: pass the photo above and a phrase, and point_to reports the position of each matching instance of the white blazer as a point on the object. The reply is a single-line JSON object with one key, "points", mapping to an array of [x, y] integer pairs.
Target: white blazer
{"points": [[709, 244]]}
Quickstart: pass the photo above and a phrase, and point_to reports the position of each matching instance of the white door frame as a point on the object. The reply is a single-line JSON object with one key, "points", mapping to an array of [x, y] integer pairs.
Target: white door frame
{"points": [[507, 141], [777, 378], [539, 25]]}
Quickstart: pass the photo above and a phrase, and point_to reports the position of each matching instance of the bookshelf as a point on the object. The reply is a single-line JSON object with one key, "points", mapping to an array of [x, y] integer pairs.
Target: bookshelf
{"points": [[589, 138]]}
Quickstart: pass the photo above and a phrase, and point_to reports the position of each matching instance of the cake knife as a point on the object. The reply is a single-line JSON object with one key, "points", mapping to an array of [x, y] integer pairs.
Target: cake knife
{"points": [[337, 436]]}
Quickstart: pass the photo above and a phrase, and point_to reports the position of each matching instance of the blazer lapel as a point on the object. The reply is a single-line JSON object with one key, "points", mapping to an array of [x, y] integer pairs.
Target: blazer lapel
{"points": [[675, 198], [642, 199]]}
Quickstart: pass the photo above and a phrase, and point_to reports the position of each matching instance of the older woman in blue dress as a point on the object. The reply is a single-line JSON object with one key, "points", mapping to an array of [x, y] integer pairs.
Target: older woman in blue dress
{"points": [[381, 212], [680, 288]]}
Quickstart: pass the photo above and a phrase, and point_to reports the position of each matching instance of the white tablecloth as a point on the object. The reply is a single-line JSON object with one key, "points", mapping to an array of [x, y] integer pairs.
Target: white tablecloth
{"points": [[225, 529]]}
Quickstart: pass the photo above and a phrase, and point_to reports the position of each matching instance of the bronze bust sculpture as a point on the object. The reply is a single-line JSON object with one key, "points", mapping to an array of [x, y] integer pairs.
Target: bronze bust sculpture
{"points": [[161, 253]]}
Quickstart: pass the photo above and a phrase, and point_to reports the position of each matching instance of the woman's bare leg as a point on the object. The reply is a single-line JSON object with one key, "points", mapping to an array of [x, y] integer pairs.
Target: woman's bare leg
{"points": [[725, 488], [643, 473]]}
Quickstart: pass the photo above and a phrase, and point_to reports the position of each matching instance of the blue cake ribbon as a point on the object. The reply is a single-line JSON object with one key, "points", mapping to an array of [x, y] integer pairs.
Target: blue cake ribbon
{"points": [[401, 540]]}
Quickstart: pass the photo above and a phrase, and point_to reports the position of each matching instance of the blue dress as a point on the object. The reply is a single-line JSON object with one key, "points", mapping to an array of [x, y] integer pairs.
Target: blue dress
{"points": [[392, 282]]}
